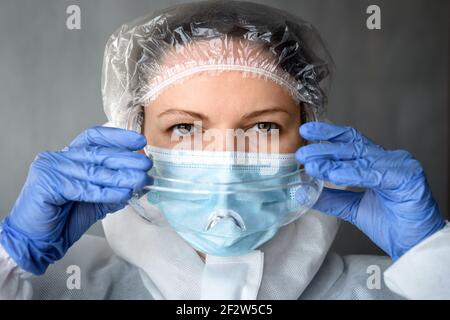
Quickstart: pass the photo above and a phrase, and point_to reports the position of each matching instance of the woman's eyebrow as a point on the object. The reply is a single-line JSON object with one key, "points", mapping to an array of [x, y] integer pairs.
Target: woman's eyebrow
{"points": [[183, 112], [262, 112]]}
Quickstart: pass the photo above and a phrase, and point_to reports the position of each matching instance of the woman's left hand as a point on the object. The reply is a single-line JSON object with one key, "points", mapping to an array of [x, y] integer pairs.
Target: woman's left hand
{"points": [[397, 210]]}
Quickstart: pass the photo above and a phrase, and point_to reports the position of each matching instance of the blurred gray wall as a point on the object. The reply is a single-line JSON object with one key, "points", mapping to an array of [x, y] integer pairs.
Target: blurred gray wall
{"points": [[392, 83]]}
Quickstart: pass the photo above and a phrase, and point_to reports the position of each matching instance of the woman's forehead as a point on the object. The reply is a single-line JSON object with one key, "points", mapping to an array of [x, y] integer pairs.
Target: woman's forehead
{"points": [[228, 93]]}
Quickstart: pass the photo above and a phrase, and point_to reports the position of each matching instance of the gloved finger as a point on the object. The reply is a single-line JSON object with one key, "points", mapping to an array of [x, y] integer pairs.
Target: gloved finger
{"points": [[396, 169], [113, 158], [387, 170], [320, 131], [85, 215], [321, 168], [339, 203], [110, 137], [355, 173], [84, 191], [124, 178], [70, 189], [99, 175], [381, 172], [333, 151]]}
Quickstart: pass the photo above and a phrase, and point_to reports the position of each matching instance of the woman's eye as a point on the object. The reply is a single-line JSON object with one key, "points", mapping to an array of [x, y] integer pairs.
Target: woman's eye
{"points": [[266, 127], [183, 129]]}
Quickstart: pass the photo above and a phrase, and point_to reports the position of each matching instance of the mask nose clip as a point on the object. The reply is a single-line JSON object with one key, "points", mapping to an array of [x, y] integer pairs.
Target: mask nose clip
{"points": [[222, 214]]}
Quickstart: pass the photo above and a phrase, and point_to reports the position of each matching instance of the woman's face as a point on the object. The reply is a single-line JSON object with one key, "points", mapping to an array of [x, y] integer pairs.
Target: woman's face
{"points": [[207, 106]]}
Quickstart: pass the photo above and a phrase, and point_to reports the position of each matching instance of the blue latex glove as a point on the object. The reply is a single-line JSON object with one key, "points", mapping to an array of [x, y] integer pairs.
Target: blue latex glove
{"points": [[68, 191], [396, 211]]}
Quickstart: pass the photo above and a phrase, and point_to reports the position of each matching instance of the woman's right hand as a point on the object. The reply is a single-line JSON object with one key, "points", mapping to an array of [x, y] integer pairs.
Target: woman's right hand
{"points": [[396, 210], [68, 191]]}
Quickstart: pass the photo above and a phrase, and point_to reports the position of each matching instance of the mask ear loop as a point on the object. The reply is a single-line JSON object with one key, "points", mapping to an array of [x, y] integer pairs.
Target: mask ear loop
{"points": [[134, 201], [135, 122], [135, 119], [306, 115]]}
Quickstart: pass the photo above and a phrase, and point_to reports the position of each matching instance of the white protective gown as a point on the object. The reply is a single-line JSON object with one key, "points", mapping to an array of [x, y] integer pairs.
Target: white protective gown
{"points": [[138, 260]]}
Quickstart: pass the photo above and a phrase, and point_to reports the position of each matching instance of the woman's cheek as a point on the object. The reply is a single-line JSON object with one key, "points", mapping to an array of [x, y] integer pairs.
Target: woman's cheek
{"points": [[288, 142]]}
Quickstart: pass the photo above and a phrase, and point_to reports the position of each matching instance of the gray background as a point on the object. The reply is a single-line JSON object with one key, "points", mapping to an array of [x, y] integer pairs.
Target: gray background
{"points": [[391, 84]]}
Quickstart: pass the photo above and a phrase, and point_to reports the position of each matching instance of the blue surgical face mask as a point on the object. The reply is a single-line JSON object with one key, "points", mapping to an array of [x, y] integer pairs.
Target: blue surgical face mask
{"points": [[228, 203]]}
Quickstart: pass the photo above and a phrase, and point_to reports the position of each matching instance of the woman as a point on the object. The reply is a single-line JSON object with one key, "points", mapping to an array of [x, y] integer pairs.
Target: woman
{"points": [[210, 96]]}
